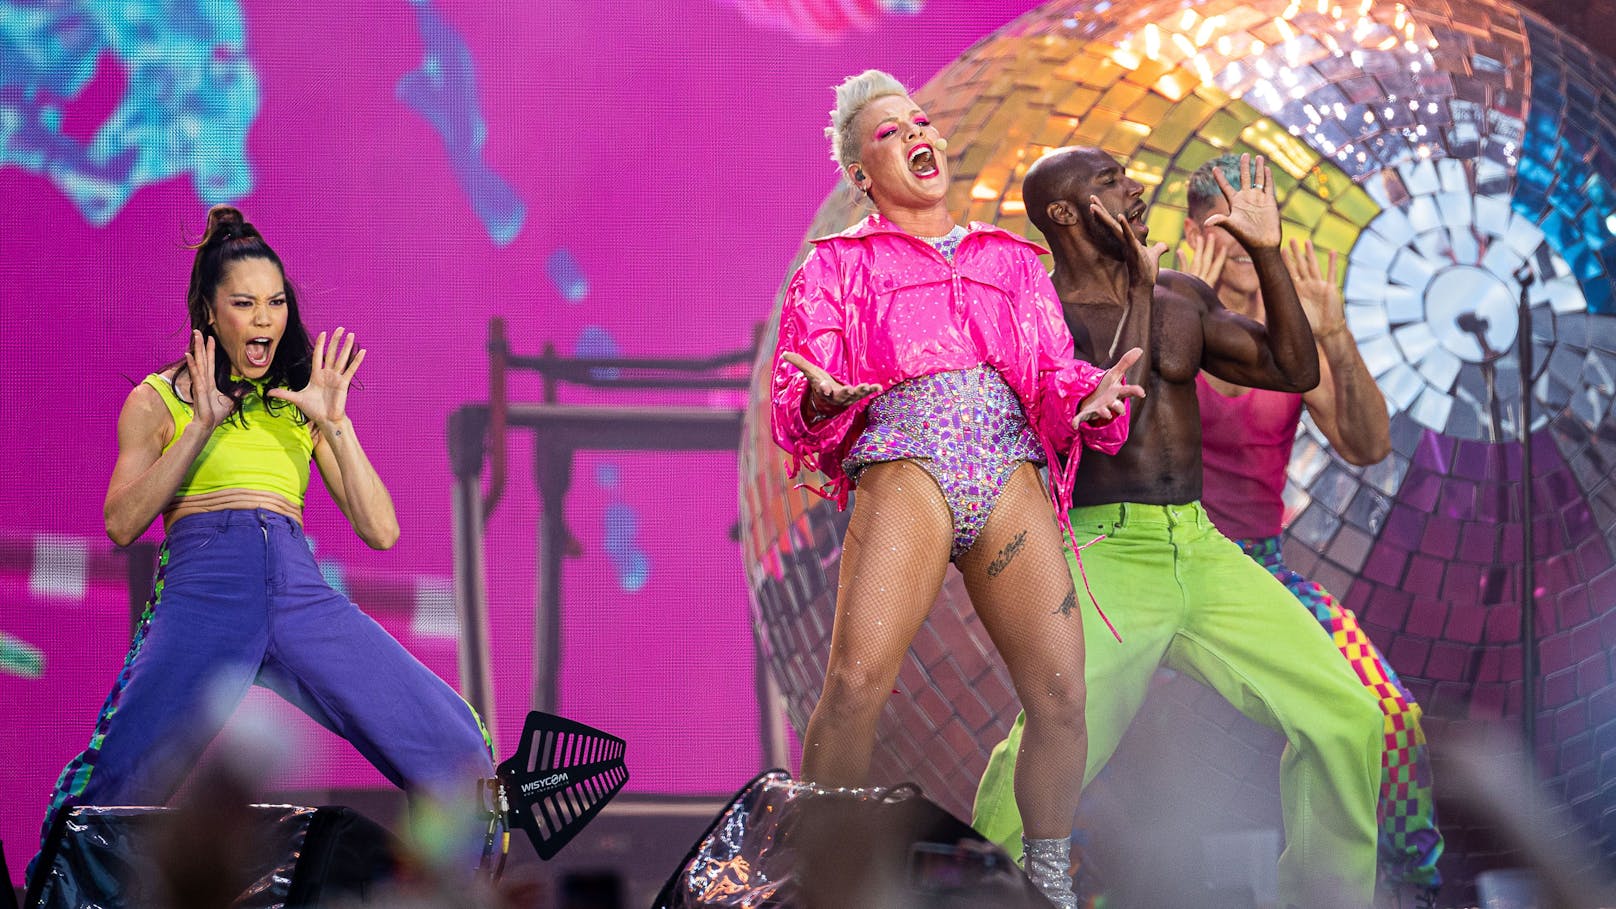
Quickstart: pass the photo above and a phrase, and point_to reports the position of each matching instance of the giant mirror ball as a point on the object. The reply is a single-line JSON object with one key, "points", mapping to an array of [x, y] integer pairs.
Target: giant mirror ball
{"points": [[1443, 148]]}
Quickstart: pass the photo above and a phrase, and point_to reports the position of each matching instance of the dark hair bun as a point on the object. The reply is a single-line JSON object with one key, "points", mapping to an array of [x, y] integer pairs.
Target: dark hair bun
{"points": [[225, 222]]}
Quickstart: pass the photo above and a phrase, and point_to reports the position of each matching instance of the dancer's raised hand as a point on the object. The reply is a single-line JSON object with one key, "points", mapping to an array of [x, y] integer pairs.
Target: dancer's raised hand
{"points": [[826, 396], [1198, 257], [1318, 290], [1109, 398], [209, 406], [325, 398], [1253, 216]]}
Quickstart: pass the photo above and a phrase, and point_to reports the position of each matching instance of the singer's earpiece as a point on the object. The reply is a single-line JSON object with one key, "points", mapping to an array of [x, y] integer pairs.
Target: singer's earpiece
{"points": [[858, 175]]}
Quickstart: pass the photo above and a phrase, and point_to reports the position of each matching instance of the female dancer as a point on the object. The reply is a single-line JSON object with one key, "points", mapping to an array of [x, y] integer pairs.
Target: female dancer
{"points": [[219, 445], [929, 363]]}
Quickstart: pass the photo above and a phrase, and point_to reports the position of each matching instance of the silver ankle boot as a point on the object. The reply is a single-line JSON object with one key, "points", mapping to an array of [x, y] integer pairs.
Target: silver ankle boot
{"points": [[1049, 864]]}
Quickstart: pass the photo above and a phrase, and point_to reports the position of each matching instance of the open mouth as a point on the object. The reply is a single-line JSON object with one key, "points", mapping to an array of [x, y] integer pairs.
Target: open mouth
{"points": [[923, 161], [259, 351], [1134, 217]]}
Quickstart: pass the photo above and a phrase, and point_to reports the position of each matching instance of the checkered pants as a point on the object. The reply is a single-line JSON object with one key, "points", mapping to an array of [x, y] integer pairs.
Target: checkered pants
{"points": [[1410, 843]]}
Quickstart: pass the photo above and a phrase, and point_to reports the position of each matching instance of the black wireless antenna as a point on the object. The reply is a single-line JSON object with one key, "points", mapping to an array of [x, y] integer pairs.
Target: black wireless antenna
{"points": [[562, 775]]}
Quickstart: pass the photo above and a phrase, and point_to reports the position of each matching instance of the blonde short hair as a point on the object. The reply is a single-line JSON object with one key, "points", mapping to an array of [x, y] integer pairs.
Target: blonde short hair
{"points": [[851, 97]]}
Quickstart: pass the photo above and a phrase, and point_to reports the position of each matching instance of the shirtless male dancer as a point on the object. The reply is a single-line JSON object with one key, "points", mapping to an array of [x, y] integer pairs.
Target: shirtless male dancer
{"points": [[1180, 593]]}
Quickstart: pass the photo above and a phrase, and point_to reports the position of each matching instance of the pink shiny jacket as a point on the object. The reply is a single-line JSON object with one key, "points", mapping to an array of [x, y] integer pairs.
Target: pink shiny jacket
{"points": [[875, 304]]}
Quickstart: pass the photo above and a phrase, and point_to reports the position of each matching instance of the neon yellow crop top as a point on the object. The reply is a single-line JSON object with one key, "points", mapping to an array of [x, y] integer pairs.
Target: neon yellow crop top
{"points": [[270, 453]]}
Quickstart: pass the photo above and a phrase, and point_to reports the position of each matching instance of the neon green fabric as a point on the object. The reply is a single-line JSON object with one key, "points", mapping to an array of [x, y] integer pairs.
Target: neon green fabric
{"points": [[256, 449], [1183, 596]]}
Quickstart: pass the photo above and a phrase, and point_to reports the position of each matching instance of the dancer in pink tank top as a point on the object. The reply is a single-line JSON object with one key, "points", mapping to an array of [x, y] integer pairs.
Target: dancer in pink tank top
{"points": [[1246, 437], [1245, 447]]}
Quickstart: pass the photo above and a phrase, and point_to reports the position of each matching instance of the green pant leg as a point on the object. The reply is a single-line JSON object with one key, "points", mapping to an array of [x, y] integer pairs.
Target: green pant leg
{"points": [[1246, 639], [1146, 607]]}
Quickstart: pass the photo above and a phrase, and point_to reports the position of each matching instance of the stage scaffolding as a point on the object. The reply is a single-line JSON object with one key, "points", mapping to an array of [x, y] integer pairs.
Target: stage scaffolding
{"points": [[477, 436]]}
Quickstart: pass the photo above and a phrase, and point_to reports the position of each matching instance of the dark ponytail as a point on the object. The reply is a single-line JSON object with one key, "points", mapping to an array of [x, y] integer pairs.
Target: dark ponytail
{"points": [[229, 238]]}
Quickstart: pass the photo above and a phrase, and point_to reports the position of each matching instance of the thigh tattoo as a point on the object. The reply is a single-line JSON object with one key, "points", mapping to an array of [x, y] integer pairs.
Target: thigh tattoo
{"points": [[1009, 552]]}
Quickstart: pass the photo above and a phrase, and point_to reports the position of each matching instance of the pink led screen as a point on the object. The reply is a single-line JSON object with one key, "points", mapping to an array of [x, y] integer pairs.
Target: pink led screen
{"points": [[611, 179]]}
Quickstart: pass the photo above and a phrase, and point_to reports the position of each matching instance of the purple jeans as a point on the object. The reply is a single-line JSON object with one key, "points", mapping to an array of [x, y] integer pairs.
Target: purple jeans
{"points": [[239, 600]]}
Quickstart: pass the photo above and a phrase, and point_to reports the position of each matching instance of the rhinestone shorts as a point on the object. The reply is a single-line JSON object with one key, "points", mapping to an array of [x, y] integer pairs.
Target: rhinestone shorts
{"points": [[965, 428]]}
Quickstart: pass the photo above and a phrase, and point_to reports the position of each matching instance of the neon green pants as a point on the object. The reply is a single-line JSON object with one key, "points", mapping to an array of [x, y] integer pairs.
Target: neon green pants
{"points": [[1184, 596]]}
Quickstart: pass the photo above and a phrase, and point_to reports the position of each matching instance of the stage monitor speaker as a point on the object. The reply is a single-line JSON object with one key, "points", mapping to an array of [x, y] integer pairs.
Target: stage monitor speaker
{"points": [[283, 856], [791, 845]]}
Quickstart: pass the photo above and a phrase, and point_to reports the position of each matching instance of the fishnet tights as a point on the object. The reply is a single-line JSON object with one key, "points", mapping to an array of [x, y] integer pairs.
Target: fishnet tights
{"points": [[894, 557]]}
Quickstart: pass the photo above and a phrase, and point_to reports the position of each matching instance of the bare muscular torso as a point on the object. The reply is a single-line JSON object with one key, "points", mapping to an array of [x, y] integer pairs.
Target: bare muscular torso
{"points": [[1161, 462]]}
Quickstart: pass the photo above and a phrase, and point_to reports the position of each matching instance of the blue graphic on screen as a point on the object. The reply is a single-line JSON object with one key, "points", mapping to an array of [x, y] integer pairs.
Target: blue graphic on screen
{"points": [[191, 95], [566, 276], [20, 658], [330, 569], [444, 91], [1559, 183], [629, 561], [596, 343]]}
